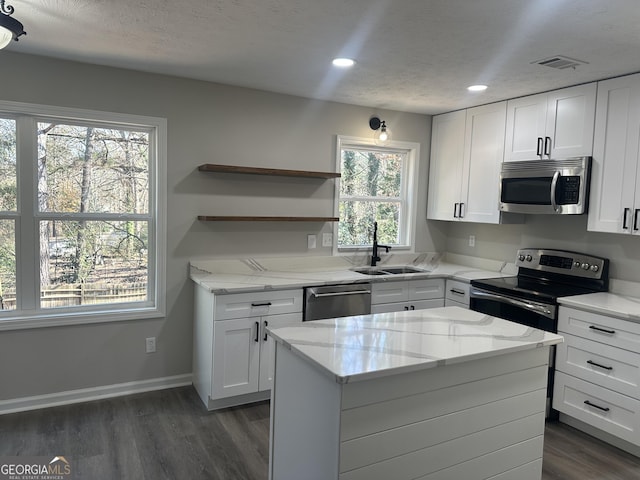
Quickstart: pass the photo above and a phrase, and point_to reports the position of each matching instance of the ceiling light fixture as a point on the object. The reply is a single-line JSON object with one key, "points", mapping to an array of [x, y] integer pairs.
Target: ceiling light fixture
{"points": [[10, 28], [477, 88], [343, 62], [382, 133]]}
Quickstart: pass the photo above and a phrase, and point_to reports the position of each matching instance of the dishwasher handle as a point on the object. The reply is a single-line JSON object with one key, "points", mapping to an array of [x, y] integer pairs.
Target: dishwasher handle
{"points": [[339, 294]]}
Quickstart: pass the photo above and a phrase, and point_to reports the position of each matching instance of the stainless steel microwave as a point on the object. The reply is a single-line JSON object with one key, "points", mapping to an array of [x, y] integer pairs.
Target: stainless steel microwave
{"points": [[546, 186]]}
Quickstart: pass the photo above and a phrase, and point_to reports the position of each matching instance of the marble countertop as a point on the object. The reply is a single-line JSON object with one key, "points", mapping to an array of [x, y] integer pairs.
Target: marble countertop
{"points": [[280, 273], [369, 346], [612, 304]]}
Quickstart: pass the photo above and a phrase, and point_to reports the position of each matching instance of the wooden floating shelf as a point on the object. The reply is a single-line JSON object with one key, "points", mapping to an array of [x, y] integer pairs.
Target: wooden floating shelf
{"points": [[209, 218], [210, 167]]}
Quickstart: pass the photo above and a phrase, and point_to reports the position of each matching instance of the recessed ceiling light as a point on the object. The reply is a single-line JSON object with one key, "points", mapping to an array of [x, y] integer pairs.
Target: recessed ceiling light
{"points": [[343, 62], [477, 88]]}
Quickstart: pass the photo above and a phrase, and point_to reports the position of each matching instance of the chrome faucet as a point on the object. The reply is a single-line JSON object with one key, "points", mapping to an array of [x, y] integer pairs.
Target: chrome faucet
{"points": [[374, 254]]}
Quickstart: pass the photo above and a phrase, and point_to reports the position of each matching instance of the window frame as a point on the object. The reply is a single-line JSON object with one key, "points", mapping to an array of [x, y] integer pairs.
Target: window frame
{"points": [[27, 219], [409, 189]]}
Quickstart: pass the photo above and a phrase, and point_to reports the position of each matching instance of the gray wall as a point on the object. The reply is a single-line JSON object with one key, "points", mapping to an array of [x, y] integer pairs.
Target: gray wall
{"points": [[566, 232], [207, 123]]}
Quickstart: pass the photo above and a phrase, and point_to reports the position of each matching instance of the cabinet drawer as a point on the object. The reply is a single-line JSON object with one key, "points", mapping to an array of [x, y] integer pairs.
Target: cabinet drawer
{"points": [[609, 411], [389, 292], [458, 292], [600, 328], [402, 291], [244, 305], [607, 366], [426, 289]]}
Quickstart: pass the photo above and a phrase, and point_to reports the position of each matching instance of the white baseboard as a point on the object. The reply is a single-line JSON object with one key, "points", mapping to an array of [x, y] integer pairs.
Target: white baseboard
{"points": [[94, 393]]}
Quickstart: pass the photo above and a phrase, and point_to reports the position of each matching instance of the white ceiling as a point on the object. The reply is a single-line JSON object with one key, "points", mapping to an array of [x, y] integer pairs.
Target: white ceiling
{"points": [[412, 55]]}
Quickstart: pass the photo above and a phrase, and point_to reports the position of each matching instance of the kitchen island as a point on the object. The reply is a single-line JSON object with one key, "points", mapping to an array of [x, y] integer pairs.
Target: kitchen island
{"points": [[445, 393]]}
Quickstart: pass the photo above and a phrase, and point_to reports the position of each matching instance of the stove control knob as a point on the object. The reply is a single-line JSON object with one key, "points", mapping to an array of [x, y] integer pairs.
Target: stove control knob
{"points": [[595, 268], [576, 264], [528, 258], [585, 266], [521, 257]]}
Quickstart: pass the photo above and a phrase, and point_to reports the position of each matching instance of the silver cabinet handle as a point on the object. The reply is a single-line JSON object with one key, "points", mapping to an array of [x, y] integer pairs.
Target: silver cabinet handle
{"points": [[340, 294], [534, 307]]}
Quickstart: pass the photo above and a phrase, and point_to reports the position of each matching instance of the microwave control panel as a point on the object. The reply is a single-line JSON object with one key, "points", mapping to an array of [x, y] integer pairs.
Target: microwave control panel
{"points": [[568, 190]]}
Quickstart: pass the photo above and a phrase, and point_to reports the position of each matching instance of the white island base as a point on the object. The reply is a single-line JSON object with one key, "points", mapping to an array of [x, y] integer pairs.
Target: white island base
{"points": [[477, 419]]}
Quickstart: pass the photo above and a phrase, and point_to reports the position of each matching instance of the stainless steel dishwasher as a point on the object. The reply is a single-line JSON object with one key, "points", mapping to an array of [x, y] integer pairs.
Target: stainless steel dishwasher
{"points": [[331, 301]]}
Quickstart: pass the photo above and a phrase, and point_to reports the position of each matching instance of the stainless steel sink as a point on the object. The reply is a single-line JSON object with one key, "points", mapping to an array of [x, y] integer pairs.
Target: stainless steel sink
{"points": [[388, 270], [370, 271], [397, 270]]}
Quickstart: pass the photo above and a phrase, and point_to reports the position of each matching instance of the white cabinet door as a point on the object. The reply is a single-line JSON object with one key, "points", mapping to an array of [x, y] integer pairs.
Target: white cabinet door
{"points": [[446, 163], [570, 121], [236, 357], [526, 119], [613, 206], [267, 346], [483, 155], [557, 124]]}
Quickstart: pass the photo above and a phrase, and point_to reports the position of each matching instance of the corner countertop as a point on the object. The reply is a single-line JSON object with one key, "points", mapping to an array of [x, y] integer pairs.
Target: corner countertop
{"points": [[226, 276], [369, 346], [612, 304]]}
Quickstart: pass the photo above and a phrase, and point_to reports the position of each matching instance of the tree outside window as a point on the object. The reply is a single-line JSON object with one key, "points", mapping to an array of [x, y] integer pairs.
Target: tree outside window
{"points": [[89, 189], [374, 187]]}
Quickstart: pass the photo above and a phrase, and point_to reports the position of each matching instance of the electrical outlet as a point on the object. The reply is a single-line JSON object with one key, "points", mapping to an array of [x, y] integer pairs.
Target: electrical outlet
{"points": [[472, 240], [327, 239], [150, 344], [311, 241]]}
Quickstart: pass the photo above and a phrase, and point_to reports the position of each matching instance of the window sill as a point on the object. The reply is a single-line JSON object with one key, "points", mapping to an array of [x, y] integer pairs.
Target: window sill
{"points": [[56, 318]]}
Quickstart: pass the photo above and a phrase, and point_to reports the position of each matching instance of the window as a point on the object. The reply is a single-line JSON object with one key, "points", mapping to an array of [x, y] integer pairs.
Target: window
{"points": [[81, 233], [377, 184]]}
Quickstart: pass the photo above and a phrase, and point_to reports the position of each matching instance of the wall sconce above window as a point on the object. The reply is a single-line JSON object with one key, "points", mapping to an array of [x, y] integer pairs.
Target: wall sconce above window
{"points": [[382, 134], [10, 28]]}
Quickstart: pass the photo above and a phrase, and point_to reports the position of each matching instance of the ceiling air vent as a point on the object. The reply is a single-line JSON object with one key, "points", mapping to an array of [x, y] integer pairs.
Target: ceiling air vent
{"points": [[560, 62]]}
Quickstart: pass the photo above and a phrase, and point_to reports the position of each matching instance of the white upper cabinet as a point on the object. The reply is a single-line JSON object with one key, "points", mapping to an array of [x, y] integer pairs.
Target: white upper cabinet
{"points": [[466, 155], [483, 154], [445, 169], [556, 124], [614, 205]]}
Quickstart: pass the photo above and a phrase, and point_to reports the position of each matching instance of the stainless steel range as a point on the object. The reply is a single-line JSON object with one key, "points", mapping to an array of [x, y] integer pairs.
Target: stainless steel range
{"points": [[531, 297]]}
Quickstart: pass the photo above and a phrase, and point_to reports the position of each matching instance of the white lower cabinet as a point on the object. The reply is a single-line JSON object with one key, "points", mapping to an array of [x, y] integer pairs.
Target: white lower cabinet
{"points": [[395, 296], [243, 354], [233, 356], [598, 372]]}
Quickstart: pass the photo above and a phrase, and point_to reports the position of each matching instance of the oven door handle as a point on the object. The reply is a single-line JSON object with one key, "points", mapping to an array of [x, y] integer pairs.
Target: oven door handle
{"points": [[554, 185], [534, 307]]}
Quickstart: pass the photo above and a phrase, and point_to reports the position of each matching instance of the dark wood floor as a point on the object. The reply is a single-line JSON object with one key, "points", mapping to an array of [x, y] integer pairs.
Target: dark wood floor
{"points": [[169, 435]]}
